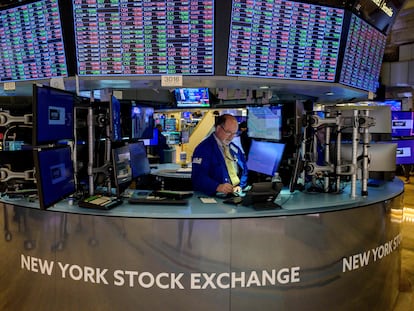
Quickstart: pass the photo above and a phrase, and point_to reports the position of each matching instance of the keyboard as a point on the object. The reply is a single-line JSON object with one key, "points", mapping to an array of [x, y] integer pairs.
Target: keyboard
{"points": [[157, 201], [100, 202], [184, 170], [173, 194]]}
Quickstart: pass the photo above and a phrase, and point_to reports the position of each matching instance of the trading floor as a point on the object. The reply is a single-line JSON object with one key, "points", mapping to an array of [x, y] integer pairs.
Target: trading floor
{"points": [[406, 298]]}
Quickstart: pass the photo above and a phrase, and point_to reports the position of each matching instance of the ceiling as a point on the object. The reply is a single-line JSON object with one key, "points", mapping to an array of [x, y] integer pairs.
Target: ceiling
{"points": [[400, 34]]}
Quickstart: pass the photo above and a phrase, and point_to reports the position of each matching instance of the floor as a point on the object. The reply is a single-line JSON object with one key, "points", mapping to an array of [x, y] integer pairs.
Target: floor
{"points": [[405, 300]]}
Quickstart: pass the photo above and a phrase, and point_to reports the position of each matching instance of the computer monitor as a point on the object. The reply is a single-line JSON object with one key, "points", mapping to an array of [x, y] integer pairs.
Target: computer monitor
{"points": [[122, 171], [152, 141], [265, 157], [173, 137], [139, 161], [381, 159], [402, 123], [192, 97], [185, 137], [52, 115], [264, 122], [405, 151], [54, 174], [142, 122], [115, 119]]}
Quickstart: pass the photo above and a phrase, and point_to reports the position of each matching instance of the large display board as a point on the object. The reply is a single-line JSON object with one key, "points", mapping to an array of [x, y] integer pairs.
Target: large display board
{"points": [[125, 37], [31, 42], [363, 54], [284, 39]]}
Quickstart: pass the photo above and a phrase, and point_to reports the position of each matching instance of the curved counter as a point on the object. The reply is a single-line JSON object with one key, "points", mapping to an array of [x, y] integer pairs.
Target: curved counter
{"points": [[319, 252]]}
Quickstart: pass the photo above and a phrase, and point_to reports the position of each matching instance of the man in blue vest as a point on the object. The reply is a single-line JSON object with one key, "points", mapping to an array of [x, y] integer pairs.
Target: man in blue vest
{"points": [[218, 165]]}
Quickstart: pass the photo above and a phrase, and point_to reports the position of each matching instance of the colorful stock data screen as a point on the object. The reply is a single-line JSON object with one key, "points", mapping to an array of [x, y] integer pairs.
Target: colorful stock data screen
{"points": [[284, 39], [31, 42], [364, 50], [125, 37]]}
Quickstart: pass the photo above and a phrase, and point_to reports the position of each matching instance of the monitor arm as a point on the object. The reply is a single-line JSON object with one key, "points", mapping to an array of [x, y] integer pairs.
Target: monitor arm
{"points": [[6, 118], [6, 175]]}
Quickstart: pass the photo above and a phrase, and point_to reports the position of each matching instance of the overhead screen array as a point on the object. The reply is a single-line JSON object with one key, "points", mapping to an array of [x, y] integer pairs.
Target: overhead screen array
{"points": [[31, 42], [278, 39], [284, 39], [127, 37]]}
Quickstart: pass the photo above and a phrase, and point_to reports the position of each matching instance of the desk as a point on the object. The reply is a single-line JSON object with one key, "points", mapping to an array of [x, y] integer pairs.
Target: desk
{"points": [[332, 251]]}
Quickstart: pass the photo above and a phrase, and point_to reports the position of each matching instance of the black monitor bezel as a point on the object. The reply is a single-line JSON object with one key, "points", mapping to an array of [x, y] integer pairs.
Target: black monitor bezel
{"points": [[39, 181], [37, 127]]}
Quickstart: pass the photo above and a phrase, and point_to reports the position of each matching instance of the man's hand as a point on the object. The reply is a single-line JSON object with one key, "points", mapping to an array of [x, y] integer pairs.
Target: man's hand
{"points": [[225, 188]]}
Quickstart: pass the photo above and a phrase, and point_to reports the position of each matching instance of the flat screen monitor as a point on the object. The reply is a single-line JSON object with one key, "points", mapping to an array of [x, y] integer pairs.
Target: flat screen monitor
{"points": [[53, 111], [115, 119], [264, 122], [402, 123], [54, 174], [148, 37], [169, 124], [152, 141], [192, 97], [139, 161], [362, 60], [32, 46], [121, 162], [405, 151], [185, 137], [265, 157], [142, 122], [284, 40], [381, 156], [395, 104], [173, 137]]}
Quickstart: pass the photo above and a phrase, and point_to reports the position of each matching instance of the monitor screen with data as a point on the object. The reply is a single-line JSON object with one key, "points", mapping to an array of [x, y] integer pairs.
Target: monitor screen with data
{"points": [[361, 65], [264, 122], [144, 37], [284, 40], [31, 42]]}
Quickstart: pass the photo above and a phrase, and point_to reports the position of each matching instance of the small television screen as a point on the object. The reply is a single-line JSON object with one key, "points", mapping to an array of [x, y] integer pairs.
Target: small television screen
{"points": [[405, 151], [192, 97], [139, 161], [402, 123], [52, 115], [121, 161], [264, 122], [54, 174], [185, 137], [32, 43], [173, 137], [265, 157], [142, 122]]}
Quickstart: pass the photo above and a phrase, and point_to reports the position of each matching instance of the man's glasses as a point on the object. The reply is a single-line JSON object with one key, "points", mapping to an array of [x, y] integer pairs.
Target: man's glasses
{"points": [[229, 133]]}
